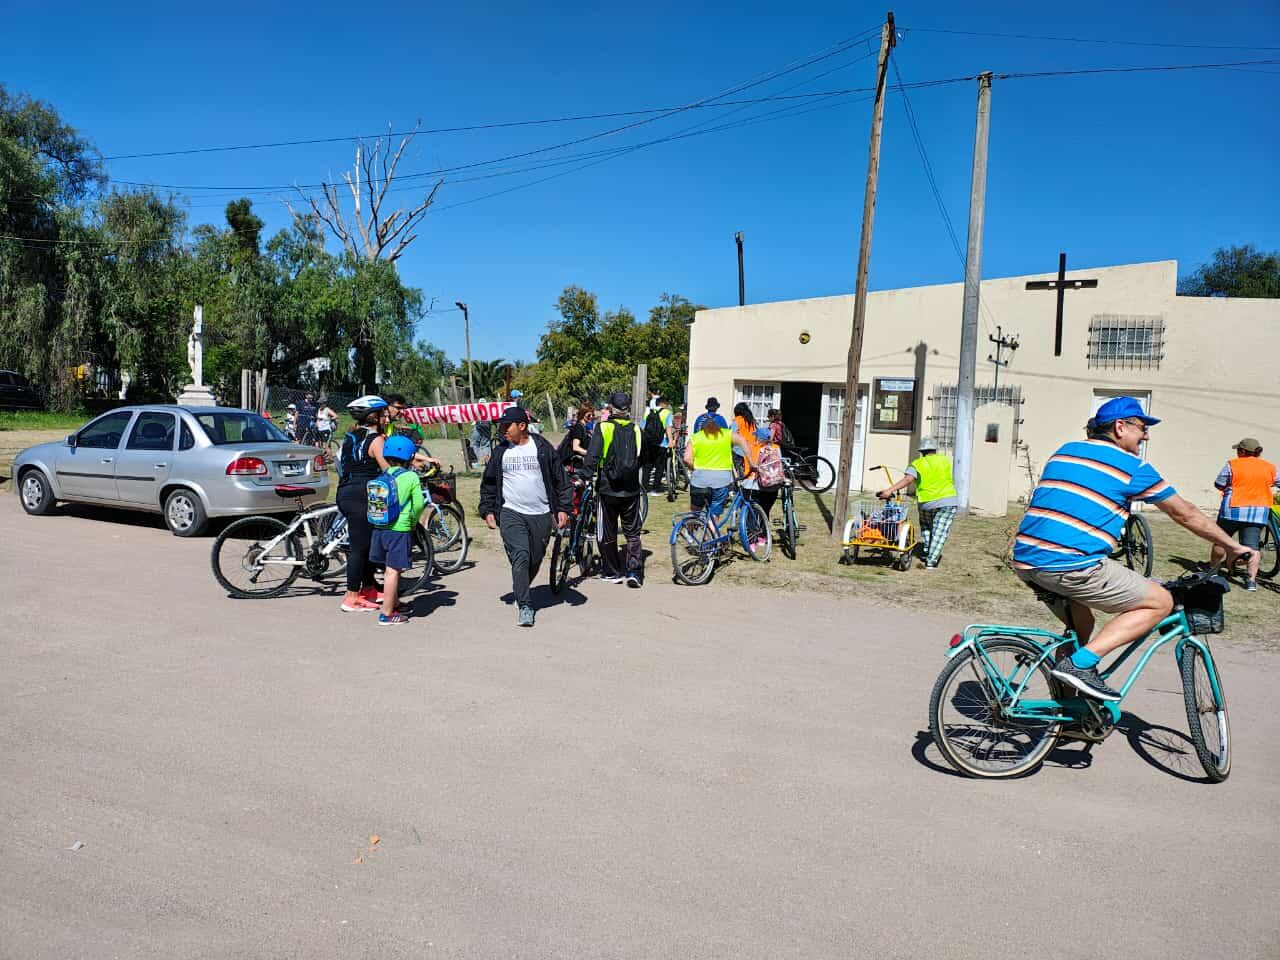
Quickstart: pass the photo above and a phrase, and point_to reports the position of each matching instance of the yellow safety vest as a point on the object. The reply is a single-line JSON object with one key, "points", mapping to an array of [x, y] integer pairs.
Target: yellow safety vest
{"points": [[935, 481], [712, 453]]}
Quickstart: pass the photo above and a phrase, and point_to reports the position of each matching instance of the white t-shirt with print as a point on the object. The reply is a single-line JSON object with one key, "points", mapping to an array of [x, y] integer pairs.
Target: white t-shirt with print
{"points": [[523, 489]]}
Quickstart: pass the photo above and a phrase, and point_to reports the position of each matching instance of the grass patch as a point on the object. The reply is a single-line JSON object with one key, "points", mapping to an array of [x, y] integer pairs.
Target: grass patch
{"points": [[42, 420]]}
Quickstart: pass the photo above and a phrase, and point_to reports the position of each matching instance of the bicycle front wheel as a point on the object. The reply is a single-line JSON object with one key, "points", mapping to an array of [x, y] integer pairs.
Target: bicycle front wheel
{"points": [[967, 710], [449, 541], [1270, 551], [1138, 553], [754, 532], [790, 529], [692, 559], [669, 478], [561, 561], [254, 559], [1206, 713], [818, 474]]}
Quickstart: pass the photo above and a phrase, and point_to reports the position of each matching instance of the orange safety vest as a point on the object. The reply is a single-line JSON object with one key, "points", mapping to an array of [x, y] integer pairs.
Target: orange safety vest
{"points": [[752, 443], [1251, 481]]}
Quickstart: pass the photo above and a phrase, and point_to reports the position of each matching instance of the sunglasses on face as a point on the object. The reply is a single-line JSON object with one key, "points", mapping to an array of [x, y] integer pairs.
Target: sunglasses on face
{"points": [[1139, 424]]}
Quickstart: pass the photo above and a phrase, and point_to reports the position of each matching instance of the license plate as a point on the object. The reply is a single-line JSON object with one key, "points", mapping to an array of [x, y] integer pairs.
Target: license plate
{"points": [[291, 469]]}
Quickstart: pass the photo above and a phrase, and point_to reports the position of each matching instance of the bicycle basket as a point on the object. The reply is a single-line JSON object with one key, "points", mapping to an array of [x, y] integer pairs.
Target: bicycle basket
{"points": [[1202, 603], [444, 490]]}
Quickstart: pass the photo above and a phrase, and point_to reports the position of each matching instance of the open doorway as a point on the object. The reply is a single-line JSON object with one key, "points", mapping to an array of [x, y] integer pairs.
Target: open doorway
{"points": [[802, 411]]}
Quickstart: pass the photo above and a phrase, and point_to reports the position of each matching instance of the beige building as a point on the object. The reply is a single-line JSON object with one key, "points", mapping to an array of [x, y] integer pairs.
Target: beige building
{"points": [[1209, 367]]}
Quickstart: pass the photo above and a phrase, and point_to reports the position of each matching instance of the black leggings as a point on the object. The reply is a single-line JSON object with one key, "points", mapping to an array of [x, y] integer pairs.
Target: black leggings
{"points": [[766, 498], [353, 502]]}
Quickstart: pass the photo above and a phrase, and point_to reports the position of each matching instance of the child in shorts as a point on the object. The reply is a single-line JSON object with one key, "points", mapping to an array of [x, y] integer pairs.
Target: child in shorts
{"points": [[393, 545]]}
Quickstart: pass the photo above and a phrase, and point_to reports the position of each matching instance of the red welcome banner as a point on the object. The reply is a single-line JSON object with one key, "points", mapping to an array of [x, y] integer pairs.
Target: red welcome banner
{"points": [[456, 413]]}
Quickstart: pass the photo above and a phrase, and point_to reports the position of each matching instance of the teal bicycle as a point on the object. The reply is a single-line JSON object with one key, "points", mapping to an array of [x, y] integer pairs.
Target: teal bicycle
{"points": [[996, 710]]}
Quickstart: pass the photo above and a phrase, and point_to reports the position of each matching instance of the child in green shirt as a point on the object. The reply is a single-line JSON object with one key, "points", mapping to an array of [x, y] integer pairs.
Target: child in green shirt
{"points": [[393, 545]]}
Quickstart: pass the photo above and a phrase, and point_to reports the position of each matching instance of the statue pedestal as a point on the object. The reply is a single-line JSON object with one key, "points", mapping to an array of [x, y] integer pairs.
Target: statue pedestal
{"points": [[196, 395]]}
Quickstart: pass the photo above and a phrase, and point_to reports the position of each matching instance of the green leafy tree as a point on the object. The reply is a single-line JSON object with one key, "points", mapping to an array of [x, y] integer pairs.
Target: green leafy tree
{"points": [[1242, 271]]}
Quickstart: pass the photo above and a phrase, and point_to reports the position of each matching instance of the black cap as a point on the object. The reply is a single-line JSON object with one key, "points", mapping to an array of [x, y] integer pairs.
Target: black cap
{"points": [[619, 400], [514, 415], [713, 403]]}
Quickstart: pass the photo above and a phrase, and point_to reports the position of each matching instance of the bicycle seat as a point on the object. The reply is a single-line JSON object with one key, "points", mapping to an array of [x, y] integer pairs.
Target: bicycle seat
{"points": [[288, 491]]}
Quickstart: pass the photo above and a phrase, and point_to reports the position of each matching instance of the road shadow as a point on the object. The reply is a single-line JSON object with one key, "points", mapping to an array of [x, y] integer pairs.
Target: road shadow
{"points": [[1065, 754], [432, 597], [1169, 751], [544, 597]]}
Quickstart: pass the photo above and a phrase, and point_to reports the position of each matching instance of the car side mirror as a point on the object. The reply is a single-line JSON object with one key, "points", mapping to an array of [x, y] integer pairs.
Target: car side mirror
{"points": [[71, 440]]}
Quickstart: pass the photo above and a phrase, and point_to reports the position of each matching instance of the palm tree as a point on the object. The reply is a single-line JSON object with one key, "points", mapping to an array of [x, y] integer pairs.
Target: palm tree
{"points": [[488, 376]]}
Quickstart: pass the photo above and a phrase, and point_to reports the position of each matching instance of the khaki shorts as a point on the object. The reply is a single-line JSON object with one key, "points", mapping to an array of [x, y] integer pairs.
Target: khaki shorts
{"points": [[1107, 586]]}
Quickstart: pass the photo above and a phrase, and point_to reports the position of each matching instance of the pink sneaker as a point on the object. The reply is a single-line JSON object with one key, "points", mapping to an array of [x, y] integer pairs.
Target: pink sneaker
{"points": [[360, 606]]}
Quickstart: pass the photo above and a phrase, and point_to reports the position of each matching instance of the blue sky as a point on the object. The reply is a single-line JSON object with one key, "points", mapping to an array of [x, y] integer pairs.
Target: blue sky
{"points": [[1112, 169]]}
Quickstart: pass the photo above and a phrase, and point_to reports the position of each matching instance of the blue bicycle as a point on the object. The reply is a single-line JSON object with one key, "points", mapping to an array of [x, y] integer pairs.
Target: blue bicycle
{"points": [[996, 710], [697, 543]]}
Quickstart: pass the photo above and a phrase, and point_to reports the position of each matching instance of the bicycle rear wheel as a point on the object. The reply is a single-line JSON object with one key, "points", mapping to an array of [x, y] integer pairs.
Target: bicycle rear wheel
{"points": [[692, 560], [816, 474], [1206, 714], [1270, 550], [1138, 552], [252, 560], [790, 529], [966, 711], [449, 540], [561, 561], [754, 532], [422, 557]]}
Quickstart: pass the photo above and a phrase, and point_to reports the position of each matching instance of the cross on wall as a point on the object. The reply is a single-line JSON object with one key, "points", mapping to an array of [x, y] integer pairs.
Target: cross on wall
{"points": [[1062, 285]]}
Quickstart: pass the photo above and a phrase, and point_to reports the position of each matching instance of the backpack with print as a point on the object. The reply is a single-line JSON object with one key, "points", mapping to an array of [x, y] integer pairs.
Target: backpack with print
{"points": [[622, 463], [769, 465], [384, 499]]}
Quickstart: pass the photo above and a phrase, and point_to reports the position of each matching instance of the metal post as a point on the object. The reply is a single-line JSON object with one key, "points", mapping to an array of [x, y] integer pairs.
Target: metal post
{"points": [[972, 281], [466, 326], [888, 39], [742, 284]]}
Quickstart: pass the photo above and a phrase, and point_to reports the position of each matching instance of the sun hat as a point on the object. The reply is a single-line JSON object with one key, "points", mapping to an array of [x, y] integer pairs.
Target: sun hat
{"points": [[1250, 444]]}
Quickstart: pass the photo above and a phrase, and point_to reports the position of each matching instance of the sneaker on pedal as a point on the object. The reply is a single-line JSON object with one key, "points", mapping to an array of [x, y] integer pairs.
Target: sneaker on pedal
{"points": [[1089, 682]]}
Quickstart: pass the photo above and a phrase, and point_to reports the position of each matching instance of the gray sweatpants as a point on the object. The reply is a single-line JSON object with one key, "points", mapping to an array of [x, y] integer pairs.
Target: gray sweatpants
{"points": [[525, 539]]}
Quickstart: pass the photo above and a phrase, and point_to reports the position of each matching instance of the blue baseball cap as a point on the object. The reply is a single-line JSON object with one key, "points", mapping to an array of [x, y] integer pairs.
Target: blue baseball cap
{"points": [[1122, 408], [516, 394]]}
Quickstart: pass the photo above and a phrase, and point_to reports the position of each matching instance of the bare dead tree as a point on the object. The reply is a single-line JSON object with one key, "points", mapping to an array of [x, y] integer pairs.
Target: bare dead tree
{"points": [[370, 232]]}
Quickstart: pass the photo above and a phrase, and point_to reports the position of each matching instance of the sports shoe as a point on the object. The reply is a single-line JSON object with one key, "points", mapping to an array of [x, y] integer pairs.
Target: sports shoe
{"points": [[526, 615], [372, 594], [360, 606], [1088, 682], [394, 620], [633, 581], [1251, 586], [610, 578]]}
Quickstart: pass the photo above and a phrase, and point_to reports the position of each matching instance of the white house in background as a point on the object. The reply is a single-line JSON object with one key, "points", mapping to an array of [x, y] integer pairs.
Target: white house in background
{"points": [[1209, 367]]}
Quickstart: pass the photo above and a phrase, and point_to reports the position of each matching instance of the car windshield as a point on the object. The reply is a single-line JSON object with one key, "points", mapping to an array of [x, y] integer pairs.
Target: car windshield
{"points": [[225, 428]]}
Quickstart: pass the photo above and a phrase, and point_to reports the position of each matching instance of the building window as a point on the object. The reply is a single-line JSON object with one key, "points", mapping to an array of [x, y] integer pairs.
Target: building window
{"points": [[942, 424], [1126, 342], [893, 405], [835, 413], [760, 397]]}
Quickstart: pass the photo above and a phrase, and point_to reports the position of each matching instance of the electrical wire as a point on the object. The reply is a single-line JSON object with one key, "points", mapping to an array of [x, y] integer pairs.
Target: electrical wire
{"points": [[1106, 40]]}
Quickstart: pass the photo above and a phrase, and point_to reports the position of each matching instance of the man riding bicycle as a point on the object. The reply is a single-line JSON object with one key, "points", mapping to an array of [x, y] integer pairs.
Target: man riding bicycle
{"points": [[1072, 524]]}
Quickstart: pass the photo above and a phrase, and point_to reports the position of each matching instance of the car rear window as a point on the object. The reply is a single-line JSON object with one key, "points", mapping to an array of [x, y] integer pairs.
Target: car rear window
{"points": [[228, 428], [6, 379]]}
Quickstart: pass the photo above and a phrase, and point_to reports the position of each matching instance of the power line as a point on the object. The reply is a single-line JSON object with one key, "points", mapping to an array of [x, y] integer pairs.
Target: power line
{"points": [[1108, 41], [1161, 69]]}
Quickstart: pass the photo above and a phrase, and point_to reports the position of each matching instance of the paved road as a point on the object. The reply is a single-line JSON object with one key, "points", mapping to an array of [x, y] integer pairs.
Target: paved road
{"points": [[670, 773]]}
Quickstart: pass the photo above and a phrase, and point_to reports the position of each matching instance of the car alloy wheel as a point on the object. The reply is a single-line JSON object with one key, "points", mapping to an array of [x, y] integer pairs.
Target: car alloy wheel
{"points": [[32, 492], [182, 512]]}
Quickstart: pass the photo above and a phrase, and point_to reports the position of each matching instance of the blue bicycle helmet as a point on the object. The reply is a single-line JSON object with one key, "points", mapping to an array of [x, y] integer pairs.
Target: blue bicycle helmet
{"points": [[401, 448]]}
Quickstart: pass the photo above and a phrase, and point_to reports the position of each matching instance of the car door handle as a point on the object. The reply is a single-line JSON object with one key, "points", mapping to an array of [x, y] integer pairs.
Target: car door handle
{"points": [[108, 459], [161, 466]]}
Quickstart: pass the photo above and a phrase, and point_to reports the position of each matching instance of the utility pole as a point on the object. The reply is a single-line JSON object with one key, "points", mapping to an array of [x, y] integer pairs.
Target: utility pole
{"points": [[742, 285], [972, 284], [1002, 343], [466, 326], [888, 40]]}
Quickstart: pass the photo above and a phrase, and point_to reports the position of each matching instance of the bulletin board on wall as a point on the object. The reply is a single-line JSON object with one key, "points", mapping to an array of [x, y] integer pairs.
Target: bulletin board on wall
{"points": [[893, 405]]}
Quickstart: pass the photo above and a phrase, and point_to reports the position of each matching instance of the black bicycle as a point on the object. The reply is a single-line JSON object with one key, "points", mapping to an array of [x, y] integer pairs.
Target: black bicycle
{"points": [[788, 535], [1135, 547], [812, 471], [677, 472], [576, 544]]}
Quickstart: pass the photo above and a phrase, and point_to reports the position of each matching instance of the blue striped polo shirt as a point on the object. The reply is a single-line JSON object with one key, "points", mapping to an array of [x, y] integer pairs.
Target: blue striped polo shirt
{"points": [[1081, 503]]}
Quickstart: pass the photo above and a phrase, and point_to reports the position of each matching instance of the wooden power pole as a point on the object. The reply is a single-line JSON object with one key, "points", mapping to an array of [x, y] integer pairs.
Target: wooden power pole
{"points": [[888, 40], [963, 450]]}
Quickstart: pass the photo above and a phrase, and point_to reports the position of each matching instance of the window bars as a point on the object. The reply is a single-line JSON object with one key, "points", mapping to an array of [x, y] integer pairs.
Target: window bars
{"points": [[942, 424], [1120, 341]]}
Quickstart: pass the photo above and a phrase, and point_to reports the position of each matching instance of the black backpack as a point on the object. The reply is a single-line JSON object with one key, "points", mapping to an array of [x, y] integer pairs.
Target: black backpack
{"points": [[654, 431], [622, 465]]}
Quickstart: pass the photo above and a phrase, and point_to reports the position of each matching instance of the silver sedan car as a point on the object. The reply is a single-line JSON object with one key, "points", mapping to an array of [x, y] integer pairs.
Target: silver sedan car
{"points": [[187, 463]]}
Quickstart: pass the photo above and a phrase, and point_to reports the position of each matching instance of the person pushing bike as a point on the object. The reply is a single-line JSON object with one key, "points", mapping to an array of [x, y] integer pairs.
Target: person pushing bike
{"points": [[1072, 524]]}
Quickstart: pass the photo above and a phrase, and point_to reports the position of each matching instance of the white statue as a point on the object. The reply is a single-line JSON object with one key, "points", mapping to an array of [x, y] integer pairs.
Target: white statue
{"points": [[195, 349]]}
